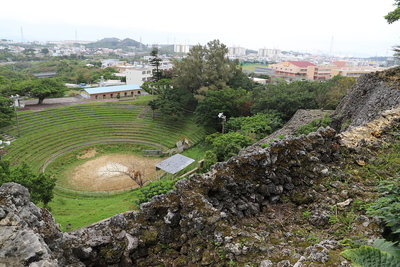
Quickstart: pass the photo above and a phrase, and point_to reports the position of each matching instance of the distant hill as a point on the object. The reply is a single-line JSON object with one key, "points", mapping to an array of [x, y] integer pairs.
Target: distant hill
{"points": [[115, 43]]}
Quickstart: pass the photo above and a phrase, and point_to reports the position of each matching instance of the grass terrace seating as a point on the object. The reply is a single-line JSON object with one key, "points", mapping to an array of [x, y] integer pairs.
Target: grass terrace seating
{"points": [[49, 133]]}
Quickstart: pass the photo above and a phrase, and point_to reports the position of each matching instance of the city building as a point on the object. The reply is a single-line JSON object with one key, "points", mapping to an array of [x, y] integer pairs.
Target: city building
{"points": [[139, 75], [237, 51], [264, 52], [180, 48]]}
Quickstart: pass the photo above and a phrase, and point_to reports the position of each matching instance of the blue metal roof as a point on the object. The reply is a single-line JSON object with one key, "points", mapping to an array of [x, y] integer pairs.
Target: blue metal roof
{"points": [[111, 89]]}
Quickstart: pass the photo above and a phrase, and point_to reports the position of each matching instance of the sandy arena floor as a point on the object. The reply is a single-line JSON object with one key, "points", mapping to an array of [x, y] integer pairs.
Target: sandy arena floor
{"points": [[104, 173]]}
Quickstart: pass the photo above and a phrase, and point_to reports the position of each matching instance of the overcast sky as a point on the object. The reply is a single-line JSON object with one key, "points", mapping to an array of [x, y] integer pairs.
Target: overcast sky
{"points": [[344, 27]]}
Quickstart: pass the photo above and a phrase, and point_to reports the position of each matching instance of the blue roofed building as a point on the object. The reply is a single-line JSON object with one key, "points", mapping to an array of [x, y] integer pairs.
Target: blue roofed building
{"points": [[129, 90]]}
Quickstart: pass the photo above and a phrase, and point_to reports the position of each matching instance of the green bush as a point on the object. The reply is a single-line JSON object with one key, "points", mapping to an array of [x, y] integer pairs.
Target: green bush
{"points": [[382, 253], [313, 126], [387, 207], [155, 188]]}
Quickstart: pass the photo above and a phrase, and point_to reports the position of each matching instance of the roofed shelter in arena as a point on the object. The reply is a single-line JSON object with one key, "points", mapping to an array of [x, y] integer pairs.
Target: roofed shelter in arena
{"points": [[175, 163], [103, 92]]}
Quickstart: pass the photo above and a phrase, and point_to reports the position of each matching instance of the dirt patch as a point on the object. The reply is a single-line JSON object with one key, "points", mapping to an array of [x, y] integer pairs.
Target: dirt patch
{"points": [[90, 153], [101, 174]]}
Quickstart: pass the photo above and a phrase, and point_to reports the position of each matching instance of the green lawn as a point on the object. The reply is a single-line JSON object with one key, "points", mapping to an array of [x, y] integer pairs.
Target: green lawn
{"points": [[252, 67], [80, 210]]}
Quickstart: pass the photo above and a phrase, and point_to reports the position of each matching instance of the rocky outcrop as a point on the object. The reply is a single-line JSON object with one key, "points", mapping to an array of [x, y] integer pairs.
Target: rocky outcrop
{"points": [[372, 94], [300, 118]]}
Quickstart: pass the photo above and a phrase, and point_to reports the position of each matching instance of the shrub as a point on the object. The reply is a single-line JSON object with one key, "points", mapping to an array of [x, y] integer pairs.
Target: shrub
{"points": [[146, 193], [313, 126], [387, 207], [382, 253]]}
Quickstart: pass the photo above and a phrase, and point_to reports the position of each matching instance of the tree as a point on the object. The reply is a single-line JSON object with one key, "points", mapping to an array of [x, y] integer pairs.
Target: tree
{"points": [[210, 158], [189, 71], [241, 80], [231, 102], [255, 127], [227, 145], [173, 103], [205, 67], [329, 96], [6, 111], [394, 15], [136, 175], [40, 185], [42, 88], [155, 61], [45, 51], [285, 98]]}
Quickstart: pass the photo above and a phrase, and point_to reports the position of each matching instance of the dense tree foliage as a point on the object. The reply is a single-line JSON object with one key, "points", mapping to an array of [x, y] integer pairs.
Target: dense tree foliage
{"points": [[394, 15], [40, 185], [6, 111], [42, 88], [227, 145], [155, 61], [231, 102], [255, 127], [173, 103], [205, 67], [286, 98]]}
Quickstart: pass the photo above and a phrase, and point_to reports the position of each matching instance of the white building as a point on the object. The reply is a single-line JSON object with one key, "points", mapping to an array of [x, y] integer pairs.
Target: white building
{"points": [[180, 48], [139, 75], [237, 51], [264, 52]]}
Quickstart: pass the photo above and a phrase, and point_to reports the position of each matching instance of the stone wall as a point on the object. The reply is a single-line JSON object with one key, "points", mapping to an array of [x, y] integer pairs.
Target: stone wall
{"points": [[371, 95], [198, 212]]}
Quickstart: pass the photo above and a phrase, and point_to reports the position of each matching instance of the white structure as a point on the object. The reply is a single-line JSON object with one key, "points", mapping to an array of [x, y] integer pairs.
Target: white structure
{"points": [[139, 75], [264, 52], [237, 51], [180, 48]]}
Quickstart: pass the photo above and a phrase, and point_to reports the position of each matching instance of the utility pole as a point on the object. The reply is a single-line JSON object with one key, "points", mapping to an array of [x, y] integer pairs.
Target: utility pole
{"points": [[16, 99]]}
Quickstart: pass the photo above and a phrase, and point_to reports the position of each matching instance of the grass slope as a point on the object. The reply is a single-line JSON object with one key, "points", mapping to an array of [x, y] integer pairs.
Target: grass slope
{"points": [[46, 135]]}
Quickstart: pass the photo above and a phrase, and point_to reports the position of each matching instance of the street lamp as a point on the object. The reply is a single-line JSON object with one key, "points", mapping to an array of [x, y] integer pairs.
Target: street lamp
{"points": [[223, 117], [16, 102]]}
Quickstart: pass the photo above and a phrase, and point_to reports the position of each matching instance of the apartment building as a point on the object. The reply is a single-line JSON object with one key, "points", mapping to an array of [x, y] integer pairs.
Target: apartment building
{"points": [[180, 48], [138, 75], [264, 52], [236, 51]]}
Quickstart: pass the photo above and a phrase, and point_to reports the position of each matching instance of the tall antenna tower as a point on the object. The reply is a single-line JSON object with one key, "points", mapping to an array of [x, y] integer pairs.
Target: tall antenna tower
{"points": [[76, 37], [22, 36], [330, 52]]}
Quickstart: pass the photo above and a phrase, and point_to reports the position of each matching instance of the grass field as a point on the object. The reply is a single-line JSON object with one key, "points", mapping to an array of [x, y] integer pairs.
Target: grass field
{"points": [[49, 135], [252, 67]]}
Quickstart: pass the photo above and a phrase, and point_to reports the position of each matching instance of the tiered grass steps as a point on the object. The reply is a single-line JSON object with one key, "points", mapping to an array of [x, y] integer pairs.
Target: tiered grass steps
{"points": [[54, 131]]}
